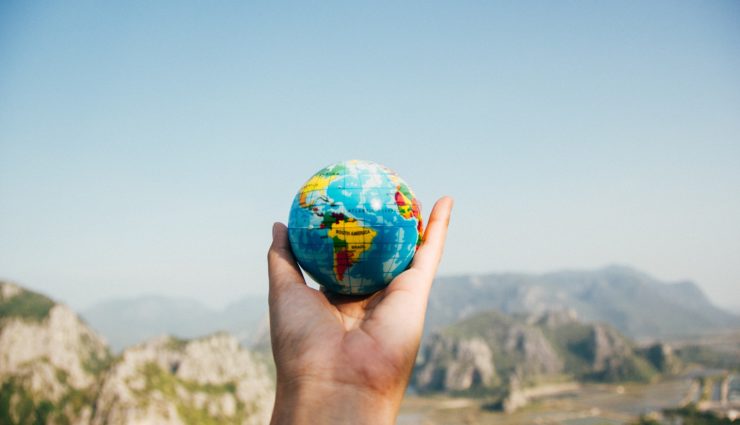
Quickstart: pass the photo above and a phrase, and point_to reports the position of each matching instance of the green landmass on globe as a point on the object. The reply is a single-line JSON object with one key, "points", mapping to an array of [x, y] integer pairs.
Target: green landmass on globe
{"points": [[354, 226]]}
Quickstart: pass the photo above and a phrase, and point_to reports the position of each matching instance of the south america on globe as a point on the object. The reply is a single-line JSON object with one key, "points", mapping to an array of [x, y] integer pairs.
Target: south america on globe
{"points": [[354, 226]]}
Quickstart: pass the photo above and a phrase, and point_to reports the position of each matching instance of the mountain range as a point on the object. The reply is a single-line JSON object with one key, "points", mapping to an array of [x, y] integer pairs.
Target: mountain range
{"points": [[507, 337], [633, 302]]}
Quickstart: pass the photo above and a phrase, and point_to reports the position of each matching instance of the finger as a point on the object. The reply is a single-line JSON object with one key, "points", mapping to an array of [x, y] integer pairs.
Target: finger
{"points": [[429, 254], [283, 270], [406, 297]]}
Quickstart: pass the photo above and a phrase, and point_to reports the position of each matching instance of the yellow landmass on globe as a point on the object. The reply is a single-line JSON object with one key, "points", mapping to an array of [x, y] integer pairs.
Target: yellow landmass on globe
{"points": [[316, 184], [350, 240]]}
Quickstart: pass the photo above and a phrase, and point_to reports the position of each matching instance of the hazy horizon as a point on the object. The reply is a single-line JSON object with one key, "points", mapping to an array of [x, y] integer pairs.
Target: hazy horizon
{"points": [[731, 307], [147, 148]]}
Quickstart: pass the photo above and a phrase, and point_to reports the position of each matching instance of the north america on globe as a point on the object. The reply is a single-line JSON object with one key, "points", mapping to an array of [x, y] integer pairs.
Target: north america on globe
{"points": [[354, 226]]}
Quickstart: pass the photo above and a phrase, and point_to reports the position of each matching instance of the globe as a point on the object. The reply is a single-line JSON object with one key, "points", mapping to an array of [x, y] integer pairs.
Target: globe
{"points": [[354, 226]]}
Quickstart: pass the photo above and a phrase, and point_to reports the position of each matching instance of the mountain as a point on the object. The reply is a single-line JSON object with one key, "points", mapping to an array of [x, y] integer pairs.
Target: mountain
{"points": [[171, 381], [486, 348], [493, 353], [633, 302], [129, 321], [51, 363], [54, 369]]}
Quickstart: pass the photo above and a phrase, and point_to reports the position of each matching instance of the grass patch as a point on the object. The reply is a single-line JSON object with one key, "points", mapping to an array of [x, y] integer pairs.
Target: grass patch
{"points": [[26, 305], [176, 344], [161, 380], [18, 406], [94, 363]]}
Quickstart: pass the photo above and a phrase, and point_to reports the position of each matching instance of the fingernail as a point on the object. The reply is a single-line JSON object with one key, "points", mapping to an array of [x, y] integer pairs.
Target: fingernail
{"points": [[274, 230]]}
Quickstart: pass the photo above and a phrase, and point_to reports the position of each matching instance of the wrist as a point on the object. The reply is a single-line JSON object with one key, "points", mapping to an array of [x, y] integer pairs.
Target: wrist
{"points": [[332, 403]]}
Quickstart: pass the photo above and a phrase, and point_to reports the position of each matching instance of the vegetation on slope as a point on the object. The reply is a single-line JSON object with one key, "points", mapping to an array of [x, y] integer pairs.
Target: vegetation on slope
{"points": [[26, 305], [20, 406]]}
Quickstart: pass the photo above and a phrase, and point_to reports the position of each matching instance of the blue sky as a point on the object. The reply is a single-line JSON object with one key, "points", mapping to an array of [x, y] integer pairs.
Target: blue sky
{"points": [[148, 147]]}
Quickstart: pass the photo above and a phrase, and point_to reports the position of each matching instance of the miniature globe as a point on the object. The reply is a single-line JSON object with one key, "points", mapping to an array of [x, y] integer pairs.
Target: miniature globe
{"points": [[354, 226]]}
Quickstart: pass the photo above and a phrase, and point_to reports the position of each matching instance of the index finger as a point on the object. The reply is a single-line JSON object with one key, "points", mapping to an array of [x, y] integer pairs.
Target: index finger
{"points": [[429, 254]]}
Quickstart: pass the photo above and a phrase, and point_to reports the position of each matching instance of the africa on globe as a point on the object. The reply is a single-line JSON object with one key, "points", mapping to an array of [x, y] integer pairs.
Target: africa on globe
{"points": [[354, 226]]}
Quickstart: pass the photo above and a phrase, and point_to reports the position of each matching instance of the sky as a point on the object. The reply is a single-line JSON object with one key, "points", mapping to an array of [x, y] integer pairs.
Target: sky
{"points": [[147, 147]]}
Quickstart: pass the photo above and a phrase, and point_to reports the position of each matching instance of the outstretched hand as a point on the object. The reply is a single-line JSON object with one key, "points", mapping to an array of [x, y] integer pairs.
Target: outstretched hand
{"points": [[348, 359]]}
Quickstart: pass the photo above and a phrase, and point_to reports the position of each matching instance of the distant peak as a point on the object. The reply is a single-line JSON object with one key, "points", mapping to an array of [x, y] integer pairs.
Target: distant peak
{"points": [[622, 270], [554, 317], [9, 290], [16, 301]]}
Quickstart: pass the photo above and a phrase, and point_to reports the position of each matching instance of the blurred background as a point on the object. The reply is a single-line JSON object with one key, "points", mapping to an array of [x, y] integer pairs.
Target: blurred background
{"points": [[592, 269]]}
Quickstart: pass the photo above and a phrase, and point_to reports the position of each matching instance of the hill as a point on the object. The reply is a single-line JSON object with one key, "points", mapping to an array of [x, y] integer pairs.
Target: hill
{"points": [[208, 380], [631, 301], [54, 369], [496, 354], [50, 362]]}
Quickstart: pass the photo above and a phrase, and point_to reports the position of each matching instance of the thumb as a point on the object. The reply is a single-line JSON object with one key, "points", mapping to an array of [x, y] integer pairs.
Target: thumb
{"points": [[282, 268]]}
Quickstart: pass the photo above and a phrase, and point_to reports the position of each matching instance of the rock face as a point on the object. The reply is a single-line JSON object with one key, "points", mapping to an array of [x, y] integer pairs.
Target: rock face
{"points": [[661, 356], [55, 370], [169, 381], [469, 365], [532, 352], [493, 352], [50, 361], [608, 349]]}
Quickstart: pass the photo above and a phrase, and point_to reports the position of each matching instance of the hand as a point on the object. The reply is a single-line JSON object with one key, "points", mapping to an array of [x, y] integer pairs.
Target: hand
{"points": [[343, 359]]}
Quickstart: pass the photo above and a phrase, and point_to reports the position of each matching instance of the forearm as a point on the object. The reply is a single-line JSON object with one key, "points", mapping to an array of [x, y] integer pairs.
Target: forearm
{"points": [[332, 403]]}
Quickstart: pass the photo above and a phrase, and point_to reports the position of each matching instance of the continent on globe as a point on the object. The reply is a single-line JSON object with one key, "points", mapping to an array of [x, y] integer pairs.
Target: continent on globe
{"points": [[314, 188], [350, 241], [408, 206], [354, 226]]}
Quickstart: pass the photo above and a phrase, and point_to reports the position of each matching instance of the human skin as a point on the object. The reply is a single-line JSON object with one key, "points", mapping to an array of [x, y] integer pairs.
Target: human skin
{"points": [[343, 359]]}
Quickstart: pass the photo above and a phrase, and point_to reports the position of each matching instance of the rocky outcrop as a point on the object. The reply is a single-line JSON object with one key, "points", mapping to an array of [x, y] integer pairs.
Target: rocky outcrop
{"points": [[514, 398], [608, 349], [50, 361], [169, 381], [460, 364], [662, 358], [61, 340], [55, 370], [533, 353], [509, 356], [482, 352]]}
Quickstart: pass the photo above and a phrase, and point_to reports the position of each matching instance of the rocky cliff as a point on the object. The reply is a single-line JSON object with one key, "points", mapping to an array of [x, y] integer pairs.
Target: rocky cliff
{"points": [[55, 370], [171, 381], [50, 361], [490, 350]]}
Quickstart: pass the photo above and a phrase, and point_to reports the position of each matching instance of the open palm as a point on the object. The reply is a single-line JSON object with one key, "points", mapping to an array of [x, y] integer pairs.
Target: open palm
{"points": [[366, 344]]}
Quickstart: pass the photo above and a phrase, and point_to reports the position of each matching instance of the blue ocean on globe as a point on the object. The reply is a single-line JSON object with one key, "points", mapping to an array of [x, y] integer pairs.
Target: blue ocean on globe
{"points": [[354, 226]]}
